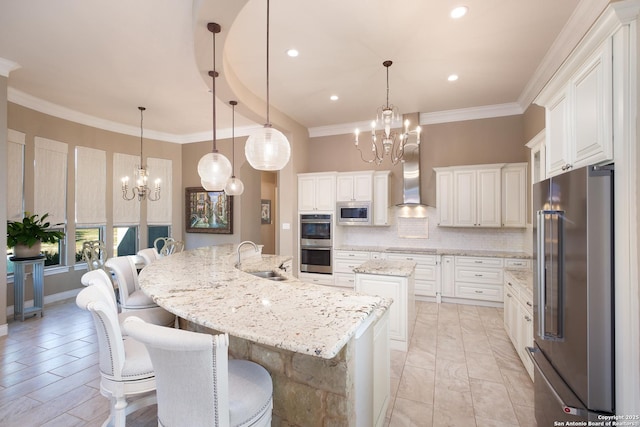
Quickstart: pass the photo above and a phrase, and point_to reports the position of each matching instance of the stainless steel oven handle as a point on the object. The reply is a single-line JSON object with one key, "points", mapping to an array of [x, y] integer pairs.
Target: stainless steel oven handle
{"points": [[565, 408], [316, 248]]}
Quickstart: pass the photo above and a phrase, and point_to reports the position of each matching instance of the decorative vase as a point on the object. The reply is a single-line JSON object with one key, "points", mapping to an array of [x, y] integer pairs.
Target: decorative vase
{"points": [[24, 251]]}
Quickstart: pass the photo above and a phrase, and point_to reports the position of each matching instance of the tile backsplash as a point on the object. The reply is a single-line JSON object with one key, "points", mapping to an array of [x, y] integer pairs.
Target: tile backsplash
{"points": [[508, 239]]}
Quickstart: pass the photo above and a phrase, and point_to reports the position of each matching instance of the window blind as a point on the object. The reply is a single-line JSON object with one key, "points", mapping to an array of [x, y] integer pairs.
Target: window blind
{"points": [[50, 179], [159, 212], [15, 175], [124, 212], [91, 186]]}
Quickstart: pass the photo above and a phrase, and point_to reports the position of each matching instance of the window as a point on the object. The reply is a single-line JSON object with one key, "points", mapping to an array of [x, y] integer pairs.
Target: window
{"points": [[53, 252], [156, 231], [125, 240], [86, 234]]}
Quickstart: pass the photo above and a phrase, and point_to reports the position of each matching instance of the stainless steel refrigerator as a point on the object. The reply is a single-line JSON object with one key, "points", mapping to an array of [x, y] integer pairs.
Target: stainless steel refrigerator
{"points": [[573, 350]]}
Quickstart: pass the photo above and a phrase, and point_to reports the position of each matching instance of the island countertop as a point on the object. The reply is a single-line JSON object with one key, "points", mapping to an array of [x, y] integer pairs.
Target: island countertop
{"points": [[204, 286], [383, 267]]}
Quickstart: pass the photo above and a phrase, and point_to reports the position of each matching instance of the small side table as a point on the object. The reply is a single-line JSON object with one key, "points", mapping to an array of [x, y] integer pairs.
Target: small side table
{"points": [[20, 264]]}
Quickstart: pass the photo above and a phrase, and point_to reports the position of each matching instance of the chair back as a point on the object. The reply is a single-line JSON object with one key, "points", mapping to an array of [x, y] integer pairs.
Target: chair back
{"points": [[105, 320], [172, 247], [192, 379], [101, 280], [148, 255], [126, 274], [93, 253]]}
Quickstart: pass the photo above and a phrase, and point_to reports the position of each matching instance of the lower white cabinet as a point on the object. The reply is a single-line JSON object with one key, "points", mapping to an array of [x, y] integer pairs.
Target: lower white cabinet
{"points": [[402, 314], [518, 319], [447, 276], [426, 272], [479, 278], [343, 264], [381, 370], [317, 279]]}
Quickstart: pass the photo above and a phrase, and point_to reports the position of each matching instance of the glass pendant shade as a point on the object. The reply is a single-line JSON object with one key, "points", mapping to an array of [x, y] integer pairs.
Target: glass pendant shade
{"points": [[234, 187], [214, 170], [267, 149]]}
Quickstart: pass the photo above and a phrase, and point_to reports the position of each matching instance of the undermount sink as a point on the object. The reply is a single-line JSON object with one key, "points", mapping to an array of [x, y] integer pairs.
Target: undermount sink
{"points": [[271, 275]]}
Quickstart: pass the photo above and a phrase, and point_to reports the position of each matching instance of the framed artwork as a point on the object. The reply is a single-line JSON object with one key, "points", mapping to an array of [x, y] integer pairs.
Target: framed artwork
{"points": [[208, 211], [265, 211]]}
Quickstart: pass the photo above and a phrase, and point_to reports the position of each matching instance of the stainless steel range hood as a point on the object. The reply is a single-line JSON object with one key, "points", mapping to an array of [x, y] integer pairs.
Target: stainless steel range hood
{"points": [[411, 175]]}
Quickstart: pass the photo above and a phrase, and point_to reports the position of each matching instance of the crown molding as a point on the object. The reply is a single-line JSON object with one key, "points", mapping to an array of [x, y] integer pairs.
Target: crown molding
{"points": [[7, 66], [582, 18]]}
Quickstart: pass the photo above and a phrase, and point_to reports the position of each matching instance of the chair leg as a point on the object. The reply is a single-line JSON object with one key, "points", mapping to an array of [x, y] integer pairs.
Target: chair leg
{"points": [[120, 412]]}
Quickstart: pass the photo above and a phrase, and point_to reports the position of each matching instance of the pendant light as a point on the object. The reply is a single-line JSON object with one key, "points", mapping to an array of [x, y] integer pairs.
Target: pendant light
{"points": [[141, 174], [214, 168], [234, 186], [267, 149]]}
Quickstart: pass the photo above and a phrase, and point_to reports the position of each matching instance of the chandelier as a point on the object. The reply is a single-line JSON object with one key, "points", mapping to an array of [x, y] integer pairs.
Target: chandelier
{"points": [[392, 142], [267, 149], [214, 168], [140, 190]]}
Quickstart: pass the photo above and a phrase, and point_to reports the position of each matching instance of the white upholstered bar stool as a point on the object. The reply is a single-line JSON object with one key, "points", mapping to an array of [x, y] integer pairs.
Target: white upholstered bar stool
{"points": [[197, 385], [126, 275], [148, 255], [126, 370], [153, 315]]}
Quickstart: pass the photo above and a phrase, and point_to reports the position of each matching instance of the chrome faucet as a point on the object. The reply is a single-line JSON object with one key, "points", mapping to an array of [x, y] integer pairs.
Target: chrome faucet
{"points": [[242, 244]]}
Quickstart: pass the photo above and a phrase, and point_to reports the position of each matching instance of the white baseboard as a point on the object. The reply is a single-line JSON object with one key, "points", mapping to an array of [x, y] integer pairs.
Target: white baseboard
{"points": [[48, 299], [4, 330]]}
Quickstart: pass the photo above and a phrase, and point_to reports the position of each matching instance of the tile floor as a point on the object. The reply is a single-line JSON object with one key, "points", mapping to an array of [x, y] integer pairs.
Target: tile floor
{"points": [[460, 370]]}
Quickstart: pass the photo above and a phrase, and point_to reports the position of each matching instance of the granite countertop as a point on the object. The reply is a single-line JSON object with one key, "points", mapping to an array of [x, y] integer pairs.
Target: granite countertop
{"points": [[440, 251], [382, 267], [524, 278], [204, 286]]}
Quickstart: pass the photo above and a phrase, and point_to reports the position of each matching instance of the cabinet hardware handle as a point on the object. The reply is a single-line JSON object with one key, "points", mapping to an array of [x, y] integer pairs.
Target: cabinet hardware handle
{"points": [[509, 295], [529, 304], [478, 275], [352, 255], [409, 259], [478, 262], [509, 283], [527, 318], [479, 292]]}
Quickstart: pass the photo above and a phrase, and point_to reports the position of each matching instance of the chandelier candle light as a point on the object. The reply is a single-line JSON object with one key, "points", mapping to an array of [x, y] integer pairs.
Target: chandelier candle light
{"points": [[141, 190], [392, 142], [214, 168], [234, 186], [267, 149]]}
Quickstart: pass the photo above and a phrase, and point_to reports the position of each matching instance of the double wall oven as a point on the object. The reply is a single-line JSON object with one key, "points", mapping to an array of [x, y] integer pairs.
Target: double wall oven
{"points": [[316, 243]]}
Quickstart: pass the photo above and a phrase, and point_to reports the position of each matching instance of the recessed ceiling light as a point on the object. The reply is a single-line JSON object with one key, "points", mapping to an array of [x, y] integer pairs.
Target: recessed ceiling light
{"points": [[334, 97], [452, 77], [293, 53], [459, 12]]}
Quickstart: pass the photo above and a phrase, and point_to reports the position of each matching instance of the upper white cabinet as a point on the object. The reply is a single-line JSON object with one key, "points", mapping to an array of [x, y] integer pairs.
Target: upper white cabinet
{"points": [[316, 191], [482, 195], [538, 157], [354, 186], [381, 198], [579, 110], [514, 195]]}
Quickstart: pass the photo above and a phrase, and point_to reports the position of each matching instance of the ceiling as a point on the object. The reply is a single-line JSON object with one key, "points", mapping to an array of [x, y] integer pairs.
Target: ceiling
{"points": [[96, 61]]}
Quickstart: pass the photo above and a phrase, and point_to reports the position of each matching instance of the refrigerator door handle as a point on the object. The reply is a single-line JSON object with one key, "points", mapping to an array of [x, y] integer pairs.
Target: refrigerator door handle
{"points": [[557, 302], [565, 408]]}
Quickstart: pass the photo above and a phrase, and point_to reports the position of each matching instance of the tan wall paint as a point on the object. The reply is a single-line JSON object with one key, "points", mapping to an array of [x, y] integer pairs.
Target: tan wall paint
{"points": [[33, 124], [534, 121], [493, 140], [3, 205], [268, 184]]}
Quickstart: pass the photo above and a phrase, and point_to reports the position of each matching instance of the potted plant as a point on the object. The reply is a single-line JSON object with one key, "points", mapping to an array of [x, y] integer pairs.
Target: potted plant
{"points": [[26, 236]]}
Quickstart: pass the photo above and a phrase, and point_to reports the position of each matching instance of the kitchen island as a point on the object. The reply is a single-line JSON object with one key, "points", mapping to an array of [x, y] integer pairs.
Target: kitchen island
{"points": [[316, 342]]}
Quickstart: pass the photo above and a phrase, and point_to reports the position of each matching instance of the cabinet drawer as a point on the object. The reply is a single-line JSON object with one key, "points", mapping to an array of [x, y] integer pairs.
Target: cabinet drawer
{"points": [[316, 279], [479, 275], [481, 292], [512, 288], [419, 259], [517, 263], [479, 261], [425, 272], [378, 255], [346, 265], [425, 288], [364, 256], [345, 280]]}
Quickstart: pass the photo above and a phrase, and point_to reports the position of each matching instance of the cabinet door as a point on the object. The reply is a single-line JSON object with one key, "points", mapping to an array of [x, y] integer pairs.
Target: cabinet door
{"points": [[363, 187], [325, 193], [306, 193], [388, 287], [381, 198], [511, 315], [344, 188], [488, 198], [444, 197], [557, 140], [592, 107], [514, 195], [464, 188], [448, 288]]}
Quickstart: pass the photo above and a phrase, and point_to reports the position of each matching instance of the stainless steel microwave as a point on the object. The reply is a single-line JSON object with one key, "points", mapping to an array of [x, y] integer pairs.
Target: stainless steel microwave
{"points": [[354, 213]]}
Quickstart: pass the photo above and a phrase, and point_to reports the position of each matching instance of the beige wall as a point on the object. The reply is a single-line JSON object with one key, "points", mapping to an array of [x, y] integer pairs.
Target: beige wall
{"points": [[33, 124], [493, 140], [534, 120]]}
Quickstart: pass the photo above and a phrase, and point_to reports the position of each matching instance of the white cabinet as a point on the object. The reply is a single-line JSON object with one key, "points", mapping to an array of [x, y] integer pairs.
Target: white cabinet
{"points": [[479, 278], [316, 192], [444, 196], [316, 278], [381, 370], [538, 157], [477, 197], [343, 264], [579, 111], [425, 272], [402, 314], [447, 275], [518, 319], [514, 195], [381, 198], [354, 186]]}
